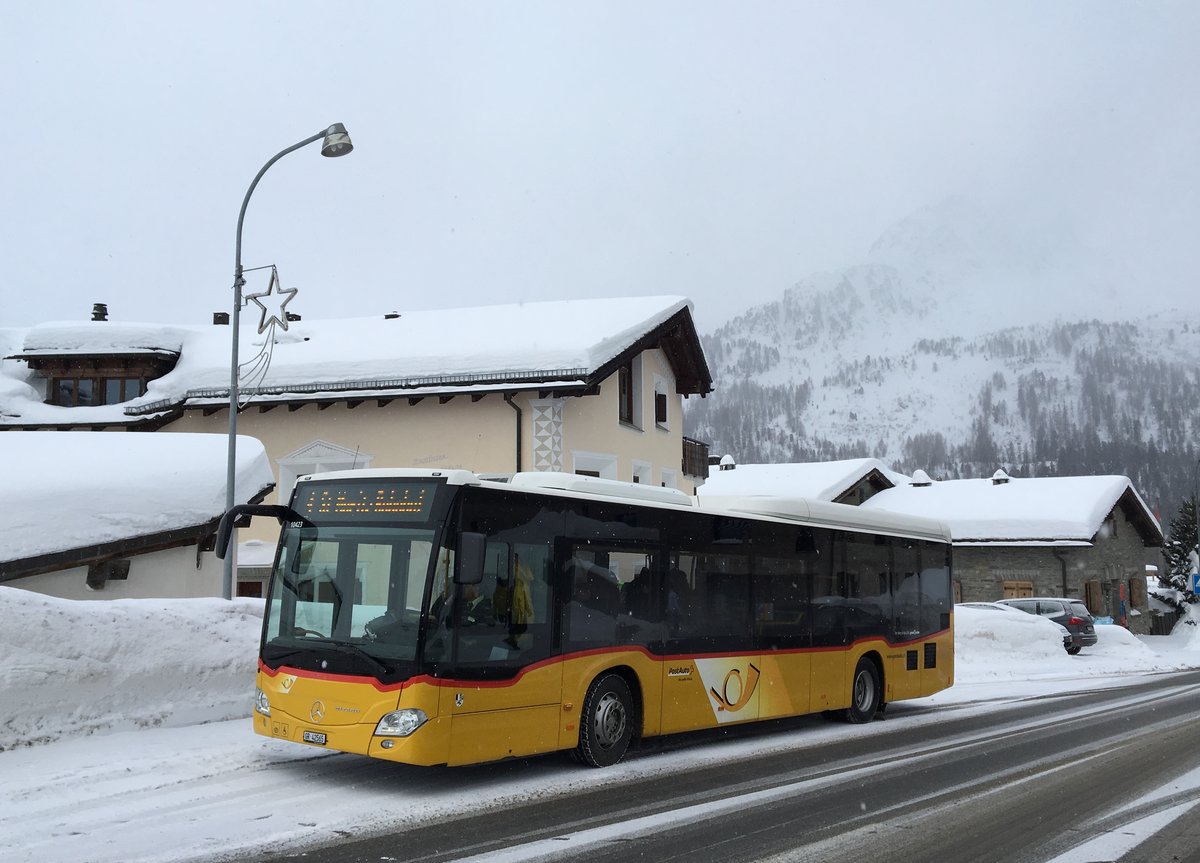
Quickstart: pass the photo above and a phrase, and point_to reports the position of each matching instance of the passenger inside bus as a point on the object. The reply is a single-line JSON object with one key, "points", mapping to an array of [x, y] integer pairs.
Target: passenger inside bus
{"points": [[636, 596]]}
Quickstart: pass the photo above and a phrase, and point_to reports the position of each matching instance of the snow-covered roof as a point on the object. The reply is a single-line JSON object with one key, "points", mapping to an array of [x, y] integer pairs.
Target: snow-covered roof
{"points": [[562, 344], [1043, 510], [73, 490], [818, 480], [101, 337]]}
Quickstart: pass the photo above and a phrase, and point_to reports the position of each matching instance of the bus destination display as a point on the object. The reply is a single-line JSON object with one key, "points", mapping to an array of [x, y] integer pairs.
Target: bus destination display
{"points": [[367, 502]]}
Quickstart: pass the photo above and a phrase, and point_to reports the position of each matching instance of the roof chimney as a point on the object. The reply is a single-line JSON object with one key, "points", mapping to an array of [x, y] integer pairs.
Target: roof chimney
{"points": [[920, 479], [220, 319], [1000, 477], [727, 462], [99, 311]]}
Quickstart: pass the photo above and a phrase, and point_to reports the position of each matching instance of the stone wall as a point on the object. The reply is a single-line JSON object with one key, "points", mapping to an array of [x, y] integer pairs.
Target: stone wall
{"points": [[1116, 557]]}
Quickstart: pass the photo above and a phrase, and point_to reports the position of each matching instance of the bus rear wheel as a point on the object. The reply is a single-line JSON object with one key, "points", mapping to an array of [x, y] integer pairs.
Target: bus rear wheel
{"points": [[866, 694], [605, 722]]}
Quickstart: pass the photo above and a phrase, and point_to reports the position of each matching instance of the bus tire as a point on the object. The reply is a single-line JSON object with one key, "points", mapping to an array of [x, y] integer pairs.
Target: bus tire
{"points": [[866, 693], [605, 722]]}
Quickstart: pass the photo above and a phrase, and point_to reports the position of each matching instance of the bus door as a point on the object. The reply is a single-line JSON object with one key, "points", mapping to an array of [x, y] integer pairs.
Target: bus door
{"points": [[712, 671], [781, 624], [492, 642], [611, 612], [829, 608]]}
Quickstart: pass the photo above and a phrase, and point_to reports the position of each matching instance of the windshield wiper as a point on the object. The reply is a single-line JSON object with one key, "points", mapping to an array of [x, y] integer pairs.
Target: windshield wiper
{"points": [[342, 647]]}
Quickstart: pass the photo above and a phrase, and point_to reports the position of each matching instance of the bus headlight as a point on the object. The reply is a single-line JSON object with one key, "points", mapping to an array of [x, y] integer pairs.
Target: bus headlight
{"points": [[400, 723], [262, 704]]}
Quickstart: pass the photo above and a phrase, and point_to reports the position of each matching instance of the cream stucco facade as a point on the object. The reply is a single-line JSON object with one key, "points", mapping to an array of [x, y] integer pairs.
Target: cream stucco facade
{"points": [[480, 434], [580, 386], [173, 573]]}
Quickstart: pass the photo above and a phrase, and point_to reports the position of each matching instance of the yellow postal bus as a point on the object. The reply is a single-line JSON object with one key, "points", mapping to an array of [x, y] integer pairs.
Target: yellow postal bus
{"points": [[435, 617]]}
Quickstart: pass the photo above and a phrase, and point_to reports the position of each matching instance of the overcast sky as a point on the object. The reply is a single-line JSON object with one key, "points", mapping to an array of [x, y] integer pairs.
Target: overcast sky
{"points": [[519, 151]]}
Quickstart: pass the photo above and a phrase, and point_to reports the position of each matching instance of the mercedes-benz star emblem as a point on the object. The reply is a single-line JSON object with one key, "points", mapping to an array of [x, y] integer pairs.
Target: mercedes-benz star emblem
{"points": [[317, 712]]}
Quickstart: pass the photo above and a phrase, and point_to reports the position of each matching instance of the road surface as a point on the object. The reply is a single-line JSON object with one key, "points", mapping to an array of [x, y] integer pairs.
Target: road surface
{"points": [[1110, 774]]}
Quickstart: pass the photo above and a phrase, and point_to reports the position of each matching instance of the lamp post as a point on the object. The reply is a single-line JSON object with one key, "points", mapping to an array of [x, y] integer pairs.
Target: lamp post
{"points": [[336, 143]]}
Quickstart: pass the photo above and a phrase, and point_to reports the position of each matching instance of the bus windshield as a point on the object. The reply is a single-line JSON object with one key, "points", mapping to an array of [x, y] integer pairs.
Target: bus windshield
{"points": [[347, 597], [354, 585]]}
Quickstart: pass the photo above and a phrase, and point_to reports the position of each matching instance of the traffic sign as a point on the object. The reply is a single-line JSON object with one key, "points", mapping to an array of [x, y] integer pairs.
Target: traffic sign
{"points": [[1196, 583]]}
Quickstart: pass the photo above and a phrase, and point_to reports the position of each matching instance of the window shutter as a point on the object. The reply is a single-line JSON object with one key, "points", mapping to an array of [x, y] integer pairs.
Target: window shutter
{"points": [[1137, 592], [660, 408], [1094, 597], [625, 394], [1017, 589]]}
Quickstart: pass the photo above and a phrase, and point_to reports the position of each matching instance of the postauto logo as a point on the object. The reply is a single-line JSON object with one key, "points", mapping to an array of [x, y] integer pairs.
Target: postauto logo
{"points": [[732, 686]]}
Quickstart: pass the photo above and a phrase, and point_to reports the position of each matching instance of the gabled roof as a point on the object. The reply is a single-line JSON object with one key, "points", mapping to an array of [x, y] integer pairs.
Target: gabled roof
{"points": [[567, 346], [827, 480], [1036, 511], [80, 497]]}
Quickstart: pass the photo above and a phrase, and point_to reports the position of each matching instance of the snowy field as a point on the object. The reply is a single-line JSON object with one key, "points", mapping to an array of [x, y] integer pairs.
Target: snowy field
{"points": [[126, 731]]}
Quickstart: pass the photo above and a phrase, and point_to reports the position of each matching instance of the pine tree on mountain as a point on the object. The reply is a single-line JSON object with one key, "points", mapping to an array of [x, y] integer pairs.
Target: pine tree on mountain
{"points": [[1177, 551]]}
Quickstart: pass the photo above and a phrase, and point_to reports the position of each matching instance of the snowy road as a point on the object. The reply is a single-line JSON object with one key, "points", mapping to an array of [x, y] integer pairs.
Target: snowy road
{"points": [[218, 792], [1025, 781]]}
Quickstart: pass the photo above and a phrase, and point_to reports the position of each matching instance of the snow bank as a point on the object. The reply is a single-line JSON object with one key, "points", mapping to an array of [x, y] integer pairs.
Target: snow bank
{"points": [[1014, 645], [74, 668]]}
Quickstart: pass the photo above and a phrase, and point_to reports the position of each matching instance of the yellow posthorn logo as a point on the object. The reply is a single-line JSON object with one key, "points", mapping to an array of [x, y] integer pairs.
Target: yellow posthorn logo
{"points": [[736, 693]]}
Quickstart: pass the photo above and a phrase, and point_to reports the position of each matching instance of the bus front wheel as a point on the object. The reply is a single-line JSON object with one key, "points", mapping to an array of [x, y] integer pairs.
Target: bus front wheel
{"points": [[866, 694], [605, 722]]}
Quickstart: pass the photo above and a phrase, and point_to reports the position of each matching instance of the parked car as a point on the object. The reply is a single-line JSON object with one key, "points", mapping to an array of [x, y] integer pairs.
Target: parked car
{"points": [[1068, 640], [1071, 613]]}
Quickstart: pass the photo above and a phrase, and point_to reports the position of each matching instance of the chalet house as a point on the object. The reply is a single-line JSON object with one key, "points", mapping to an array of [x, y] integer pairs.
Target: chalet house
{"points": [[585, 386], [851, 481], [101, 516], [1089, 537]]}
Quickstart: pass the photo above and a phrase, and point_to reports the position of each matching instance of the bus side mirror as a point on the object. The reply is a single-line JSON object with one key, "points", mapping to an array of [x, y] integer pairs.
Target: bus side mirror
{"points": [[471, 549], [230, 519]]}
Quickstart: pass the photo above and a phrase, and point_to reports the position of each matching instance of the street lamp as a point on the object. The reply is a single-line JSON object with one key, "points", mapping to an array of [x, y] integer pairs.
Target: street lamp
{"points": [[336, 143]]}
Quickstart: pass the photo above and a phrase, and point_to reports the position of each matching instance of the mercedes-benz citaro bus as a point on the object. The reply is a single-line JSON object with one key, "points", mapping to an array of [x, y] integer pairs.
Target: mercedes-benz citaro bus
{"points": [[434, 617]]}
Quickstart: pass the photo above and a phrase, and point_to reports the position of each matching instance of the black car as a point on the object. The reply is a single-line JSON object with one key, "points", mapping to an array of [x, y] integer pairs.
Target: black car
{"points": [[1071, 613]]}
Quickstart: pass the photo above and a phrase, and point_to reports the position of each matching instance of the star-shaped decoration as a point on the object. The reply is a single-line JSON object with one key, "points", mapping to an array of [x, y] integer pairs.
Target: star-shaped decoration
{"points": [[272, 302]]}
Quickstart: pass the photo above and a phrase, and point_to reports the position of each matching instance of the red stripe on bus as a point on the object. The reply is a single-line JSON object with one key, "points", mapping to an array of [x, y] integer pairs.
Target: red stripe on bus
{"points": [[599, 651]]}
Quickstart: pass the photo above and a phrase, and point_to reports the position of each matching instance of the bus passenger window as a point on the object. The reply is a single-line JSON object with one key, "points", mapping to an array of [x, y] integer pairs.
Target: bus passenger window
{"points": [[594, 599]]}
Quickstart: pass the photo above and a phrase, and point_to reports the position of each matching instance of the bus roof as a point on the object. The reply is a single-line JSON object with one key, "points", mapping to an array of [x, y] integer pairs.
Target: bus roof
{"points": [[796, 510], [834, 515]]}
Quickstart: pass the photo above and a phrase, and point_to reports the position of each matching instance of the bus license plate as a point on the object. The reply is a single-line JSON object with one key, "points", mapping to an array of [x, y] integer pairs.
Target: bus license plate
{"points": [[314, 737]]}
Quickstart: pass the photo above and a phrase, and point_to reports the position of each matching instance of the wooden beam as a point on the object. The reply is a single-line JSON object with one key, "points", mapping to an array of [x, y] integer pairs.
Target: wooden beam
{"points": [[476, 397], [383, 402], [351, 404], [412, 400], [443, 399], [262, 409], [295, 406], [322, 405], [209, 411]]}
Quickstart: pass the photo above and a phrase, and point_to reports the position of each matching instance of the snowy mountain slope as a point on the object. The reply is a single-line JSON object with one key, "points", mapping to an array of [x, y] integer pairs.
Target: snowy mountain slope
{"points": [[916, 358]]}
